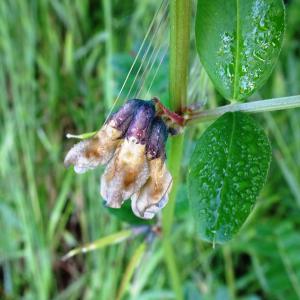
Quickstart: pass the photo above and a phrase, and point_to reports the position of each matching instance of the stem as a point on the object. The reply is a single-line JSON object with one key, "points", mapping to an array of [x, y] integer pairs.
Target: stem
{"points": [[229, 273], [179, 53], [250, 107], [175, 156], [180, 11]]}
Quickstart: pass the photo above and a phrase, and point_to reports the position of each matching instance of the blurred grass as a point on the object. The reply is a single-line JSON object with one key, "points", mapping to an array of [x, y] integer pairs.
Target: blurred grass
{"points": [[60, 64]]}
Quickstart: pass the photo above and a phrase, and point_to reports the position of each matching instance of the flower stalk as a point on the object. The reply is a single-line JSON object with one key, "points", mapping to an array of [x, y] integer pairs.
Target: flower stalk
{"points": [[249, 107]]}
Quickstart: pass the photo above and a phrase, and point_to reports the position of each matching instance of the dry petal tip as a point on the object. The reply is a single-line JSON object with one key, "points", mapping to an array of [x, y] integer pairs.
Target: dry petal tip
{"points": [[76, 156], [113, 204], [152, 210], [112, 197], [99, 149], [153, 196]]}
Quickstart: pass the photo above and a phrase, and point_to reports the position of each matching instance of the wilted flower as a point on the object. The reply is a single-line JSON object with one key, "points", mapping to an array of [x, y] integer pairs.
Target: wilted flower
{"points": [[132, 144]]}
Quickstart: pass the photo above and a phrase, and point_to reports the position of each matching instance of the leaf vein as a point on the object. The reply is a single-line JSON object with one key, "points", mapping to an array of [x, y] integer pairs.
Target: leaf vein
{"points": [[227, 163], [237, 52]]}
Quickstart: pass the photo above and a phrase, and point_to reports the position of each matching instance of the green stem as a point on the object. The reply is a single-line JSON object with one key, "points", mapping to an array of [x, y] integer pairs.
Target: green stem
{"points": [[179, 53], [250, 107], [229, 273], [174, 158], [180, 12]]}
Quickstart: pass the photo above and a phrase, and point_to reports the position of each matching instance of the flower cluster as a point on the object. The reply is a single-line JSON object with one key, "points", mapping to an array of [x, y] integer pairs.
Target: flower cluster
{"points": [[132, 144]]}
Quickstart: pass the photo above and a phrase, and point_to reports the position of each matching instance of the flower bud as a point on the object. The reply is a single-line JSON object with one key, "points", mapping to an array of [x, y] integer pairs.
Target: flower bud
{"points": [[155, 147], [138, 130], [123, 117]]}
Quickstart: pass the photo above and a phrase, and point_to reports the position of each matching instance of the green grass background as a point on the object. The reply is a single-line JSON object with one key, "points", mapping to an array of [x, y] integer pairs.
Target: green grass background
{"points": [[61, 64]]}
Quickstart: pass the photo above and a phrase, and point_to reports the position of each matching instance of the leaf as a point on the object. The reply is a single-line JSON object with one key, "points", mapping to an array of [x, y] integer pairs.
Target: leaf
{"points": [[227, 170], [238, 42], [101, 243], [126, 215]]}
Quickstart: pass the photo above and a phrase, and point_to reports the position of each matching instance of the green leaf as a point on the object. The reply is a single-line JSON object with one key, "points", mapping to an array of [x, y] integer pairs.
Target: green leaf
{"points": [[238, 42], [101, 243], [227, 171], [126, 215]]}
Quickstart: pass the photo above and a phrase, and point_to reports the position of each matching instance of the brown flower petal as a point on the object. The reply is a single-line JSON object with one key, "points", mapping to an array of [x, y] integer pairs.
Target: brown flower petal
{"points": [[125, 173], [99, 149], [153, 196]]}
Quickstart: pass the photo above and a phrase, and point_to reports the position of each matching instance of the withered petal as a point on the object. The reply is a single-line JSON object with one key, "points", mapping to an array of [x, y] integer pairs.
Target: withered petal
{"points": [[125, 174], [97, 150], [141, 123], [157, 139], [124, 115], [153, 196]]}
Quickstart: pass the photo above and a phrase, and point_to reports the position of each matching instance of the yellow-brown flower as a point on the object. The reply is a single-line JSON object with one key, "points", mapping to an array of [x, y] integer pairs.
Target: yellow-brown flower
{"points": [[132, 143]]}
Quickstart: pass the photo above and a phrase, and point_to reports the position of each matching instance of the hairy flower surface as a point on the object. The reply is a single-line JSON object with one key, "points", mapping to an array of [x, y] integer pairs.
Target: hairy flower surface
{"points": [[132, 144]]}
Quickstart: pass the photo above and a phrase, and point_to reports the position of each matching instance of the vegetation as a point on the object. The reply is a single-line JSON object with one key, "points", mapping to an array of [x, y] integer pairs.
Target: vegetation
{"points": [[61, 65]]}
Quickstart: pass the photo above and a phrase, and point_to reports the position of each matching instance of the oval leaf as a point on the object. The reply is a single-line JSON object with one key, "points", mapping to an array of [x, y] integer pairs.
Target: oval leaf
{"points": [[238, 42], [227, 170]]}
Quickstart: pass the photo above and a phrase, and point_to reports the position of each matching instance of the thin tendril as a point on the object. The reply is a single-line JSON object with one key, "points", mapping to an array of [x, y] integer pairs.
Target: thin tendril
{"points": [[146, 72], [147, 50], [157, 69], [153, 59], [153, 56], [136, 57]]}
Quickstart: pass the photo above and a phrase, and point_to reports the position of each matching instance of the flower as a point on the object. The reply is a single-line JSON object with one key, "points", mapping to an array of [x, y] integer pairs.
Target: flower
{"points": [[99, 149], [132, 144]]}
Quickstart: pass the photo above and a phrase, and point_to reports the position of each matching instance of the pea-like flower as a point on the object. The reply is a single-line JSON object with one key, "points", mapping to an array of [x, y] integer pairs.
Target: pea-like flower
{"points": [[132, 144]]}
